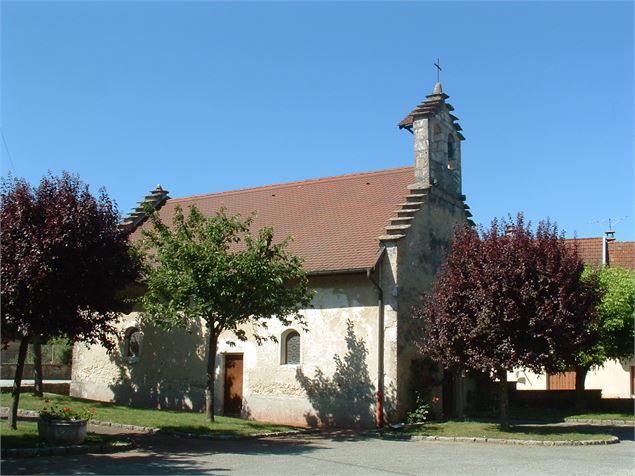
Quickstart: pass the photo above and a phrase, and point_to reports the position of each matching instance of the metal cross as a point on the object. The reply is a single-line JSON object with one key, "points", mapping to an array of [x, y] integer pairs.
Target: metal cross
{"points": [[438, 66]]}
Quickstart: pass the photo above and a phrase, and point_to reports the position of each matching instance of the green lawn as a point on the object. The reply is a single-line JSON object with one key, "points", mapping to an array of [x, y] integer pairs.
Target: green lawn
{"points": [[168, 420], [542, 413], [602, 416], [475, 429], [26, 436]]}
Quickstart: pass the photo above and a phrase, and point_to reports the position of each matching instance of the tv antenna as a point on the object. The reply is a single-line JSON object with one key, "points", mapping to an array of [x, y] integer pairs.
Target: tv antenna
{"points": [[611, 222]]}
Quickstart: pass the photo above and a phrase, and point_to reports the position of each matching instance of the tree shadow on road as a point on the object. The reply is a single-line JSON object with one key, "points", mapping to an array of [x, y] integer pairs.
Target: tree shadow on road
{"points": [[161, 455]]}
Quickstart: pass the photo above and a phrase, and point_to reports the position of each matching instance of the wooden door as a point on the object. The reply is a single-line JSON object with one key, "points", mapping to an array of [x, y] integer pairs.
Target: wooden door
{"points": [[561, 381], [233, 403]]}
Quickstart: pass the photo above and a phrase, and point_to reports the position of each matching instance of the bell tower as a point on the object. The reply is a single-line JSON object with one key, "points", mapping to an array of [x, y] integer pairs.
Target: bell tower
{"points": [[437, 143]]}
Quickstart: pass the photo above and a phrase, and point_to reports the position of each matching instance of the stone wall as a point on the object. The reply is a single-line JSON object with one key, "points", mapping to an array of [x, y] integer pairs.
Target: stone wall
{"points": [[421, 255], [49, 371], [169, 372], [334, 384]]}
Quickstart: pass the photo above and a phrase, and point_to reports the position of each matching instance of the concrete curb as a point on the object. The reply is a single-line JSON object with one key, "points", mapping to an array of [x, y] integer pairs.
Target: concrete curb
{"points": [[64, 450], [122, 426], [4, 413], [592, 421], [500, 441], [587, 421]]}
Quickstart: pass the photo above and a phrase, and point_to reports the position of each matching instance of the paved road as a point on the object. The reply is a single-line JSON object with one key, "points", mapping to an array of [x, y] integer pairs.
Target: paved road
{"points": [[338, 454]]}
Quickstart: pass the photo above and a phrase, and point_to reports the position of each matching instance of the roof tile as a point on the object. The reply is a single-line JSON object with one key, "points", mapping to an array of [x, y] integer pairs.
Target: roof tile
{"points": [[334, 222]]}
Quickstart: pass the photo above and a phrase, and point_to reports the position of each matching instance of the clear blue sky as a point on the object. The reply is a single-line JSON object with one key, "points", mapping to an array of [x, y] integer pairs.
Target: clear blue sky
{"points": [[209, 96]]}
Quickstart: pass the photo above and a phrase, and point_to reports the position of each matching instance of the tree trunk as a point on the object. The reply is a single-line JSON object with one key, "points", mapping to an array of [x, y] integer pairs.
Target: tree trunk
{"points": [[459, 389], [504, 400], [580, 377], [211, 369], [38, 387], [17, 383]]}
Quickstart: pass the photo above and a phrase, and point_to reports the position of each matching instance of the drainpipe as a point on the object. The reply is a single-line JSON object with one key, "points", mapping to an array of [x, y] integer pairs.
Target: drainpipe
{"points": [[379, 417]]}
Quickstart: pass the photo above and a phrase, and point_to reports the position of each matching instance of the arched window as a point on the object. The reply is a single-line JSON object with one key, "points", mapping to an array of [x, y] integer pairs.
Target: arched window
{"points": [[451, 153], [291, 348], [132, 344]]}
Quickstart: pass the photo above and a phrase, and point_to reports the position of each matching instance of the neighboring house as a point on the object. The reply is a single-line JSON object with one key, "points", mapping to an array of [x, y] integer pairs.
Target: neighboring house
{"points": [[371, 243], [615, 379]]}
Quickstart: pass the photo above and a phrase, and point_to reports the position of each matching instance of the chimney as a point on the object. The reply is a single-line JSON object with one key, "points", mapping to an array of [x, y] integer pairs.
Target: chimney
{"points": [[609, 236]]}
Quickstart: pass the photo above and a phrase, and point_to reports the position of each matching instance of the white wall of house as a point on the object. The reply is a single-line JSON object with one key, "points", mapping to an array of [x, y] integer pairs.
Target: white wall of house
{"points": [[613, 378]]}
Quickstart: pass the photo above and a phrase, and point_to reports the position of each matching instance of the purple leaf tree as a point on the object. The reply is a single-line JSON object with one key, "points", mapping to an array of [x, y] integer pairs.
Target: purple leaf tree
{"points": [[65, 263], [508, 297]]}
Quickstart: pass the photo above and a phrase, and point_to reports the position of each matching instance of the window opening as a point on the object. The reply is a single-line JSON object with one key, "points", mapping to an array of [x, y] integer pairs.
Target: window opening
{"points": [[292, 348], [451, 153], [132, 344]]}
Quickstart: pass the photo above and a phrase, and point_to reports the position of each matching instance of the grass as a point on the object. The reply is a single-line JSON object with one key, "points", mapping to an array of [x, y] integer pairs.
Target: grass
{"points": [[475, 429], [551, 413], [168, 420], [26, 436]]}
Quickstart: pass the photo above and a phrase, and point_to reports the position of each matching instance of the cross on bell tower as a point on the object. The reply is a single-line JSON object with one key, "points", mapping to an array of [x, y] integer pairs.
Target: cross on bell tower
{"points": [[438, 66]]}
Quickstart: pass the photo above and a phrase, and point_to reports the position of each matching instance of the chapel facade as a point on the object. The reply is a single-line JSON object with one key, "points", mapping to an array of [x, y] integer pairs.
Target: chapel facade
{"points": [[372, 243]]}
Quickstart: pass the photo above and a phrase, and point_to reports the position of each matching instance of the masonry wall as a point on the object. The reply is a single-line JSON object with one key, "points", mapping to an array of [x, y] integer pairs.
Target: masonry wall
{"points": [[334, 384], [169, 373], [421, 255]]}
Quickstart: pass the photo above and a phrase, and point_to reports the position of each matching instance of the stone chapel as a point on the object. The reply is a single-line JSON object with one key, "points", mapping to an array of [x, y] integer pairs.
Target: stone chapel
{"points": [[371, 243]]}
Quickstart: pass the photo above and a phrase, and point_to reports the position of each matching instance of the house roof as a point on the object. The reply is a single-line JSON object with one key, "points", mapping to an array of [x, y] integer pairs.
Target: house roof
{"points": [[334, 222], [620, 253]]}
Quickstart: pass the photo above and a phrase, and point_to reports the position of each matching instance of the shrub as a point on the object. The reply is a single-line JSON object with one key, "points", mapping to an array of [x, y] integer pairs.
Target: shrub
{"points": [[420, 413]]}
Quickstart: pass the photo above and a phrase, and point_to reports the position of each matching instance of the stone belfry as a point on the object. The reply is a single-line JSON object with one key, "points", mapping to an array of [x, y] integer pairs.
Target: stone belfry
{"points": [[437, 143]]}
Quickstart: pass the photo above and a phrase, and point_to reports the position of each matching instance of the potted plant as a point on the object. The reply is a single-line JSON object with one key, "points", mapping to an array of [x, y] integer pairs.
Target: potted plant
{"points": [[62, 425]]}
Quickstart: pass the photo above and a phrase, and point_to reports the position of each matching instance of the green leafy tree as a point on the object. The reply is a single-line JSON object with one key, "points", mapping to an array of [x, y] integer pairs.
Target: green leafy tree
{"points": [[214, 269], [615, 323]]}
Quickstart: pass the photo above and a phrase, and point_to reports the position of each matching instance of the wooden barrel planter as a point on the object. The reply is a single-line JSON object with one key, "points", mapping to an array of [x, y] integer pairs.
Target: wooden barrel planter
{"points": [[62, 432]]}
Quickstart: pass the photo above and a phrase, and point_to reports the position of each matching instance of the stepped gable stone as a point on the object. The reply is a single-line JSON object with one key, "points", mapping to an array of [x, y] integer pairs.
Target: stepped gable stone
{"points": [[154, 199], [400, 224]]}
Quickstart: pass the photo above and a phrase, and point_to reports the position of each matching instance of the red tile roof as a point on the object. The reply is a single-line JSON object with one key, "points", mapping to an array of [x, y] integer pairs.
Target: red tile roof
{"points": [[620, 253], [335, 222]]}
